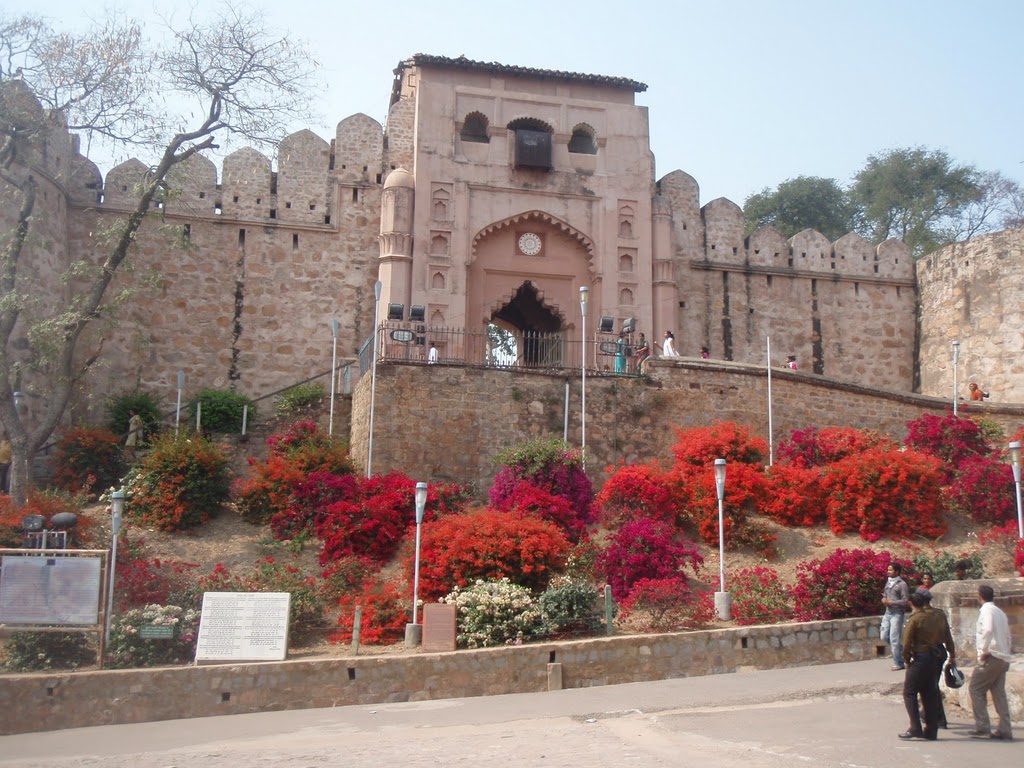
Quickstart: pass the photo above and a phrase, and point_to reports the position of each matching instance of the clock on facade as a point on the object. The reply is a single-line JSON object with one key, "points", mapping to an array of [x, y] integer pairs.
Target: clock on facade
{"points": [[530, 244]]}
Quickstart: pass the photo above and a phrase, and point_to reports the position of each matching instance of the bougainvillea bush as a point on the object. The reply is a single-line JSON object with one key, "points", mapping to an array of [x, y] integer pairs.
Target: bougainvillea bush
{"points": [[646, 549], [796, 497], [746, 493], [494, 613], [181, 483], [700, 446], [815, 447], [384, 609], [885, 492], [550, 465], [294, 454], [308, 504], [87, 459], [846, 584], [759, 597], [487, 544], [975, 490], [529, 499], [142, 579], [666, 604], [951, 439], [638, 490]]}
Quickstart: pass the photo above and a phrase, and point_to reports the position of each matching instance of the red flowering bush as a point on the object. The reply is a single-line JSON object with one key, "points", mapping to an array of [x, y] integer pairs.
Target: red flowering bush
{"points": [[881, 492], [142, 579], [487, 544], [549, 465], [646, 549], [666, 604], [845, 584], [951, 439], [758, 597], [795, 496], [89, 459], [528, 498], [180, 484], [700, 446], [638, 490], [294, 454], [815, 447], [1018, 560], [45, 503], [746, 492], [386, 610], [309, 502], [982, 487]]}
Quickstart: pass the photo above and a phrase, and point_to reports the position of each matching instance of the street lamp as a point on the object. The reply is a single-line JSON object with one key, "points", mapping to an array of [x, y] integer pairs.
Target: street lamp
{"points": [[722, 602], [1015, 463], [956, 360], [414, 632], [584, 295], [116, 513], [377, 288], [334, 373]]}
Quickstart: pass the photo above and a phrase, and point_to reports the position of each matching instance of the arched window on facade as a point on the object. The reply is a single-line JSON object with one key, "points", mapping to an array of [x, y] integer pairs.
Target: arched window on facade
{"points": [[474, 128], [584, 140], [532, 143]]}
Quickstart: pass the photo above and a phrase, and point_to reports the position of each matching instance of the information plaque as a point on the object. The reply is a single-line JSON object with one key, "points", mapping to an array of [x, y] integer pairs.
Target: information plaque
{"points": [[439, 627], [40, 590], [243, 626]]}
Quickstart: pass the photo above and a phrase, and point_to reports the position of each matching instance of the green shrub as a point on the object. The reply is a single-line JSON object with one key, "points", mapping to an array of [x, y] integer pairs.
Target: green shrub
{"points": [[181, 483], [40, 651], [942, 566], [222, 410], [494, 613], [88, 459], [571, 608], [298, 397], [127, 648], [119, 408]]}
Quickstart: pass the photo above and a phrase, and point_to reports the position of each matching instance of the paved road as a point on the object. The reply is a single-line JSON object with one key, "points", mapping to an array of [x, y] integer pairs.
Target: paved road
{"points": [[840, 715]]}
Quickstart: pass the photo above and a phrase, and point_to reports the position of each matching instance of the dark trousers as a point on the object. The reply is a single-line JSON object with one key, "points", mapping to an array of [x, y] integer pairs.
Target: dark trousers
{"points": [[921, 679]]}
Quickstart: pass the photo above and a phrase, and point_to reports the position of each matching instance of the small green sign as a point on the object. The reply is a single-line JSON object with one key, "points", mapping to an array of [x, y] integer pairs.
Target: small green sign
{"points": [[156, 632]]}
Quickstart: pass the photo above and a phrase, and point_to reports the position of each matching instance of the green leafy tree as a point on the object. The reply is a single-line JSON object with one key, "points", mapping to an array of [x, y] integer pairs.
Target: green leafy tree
{"points": [[806, 202], [234, 77], [917, 195]]}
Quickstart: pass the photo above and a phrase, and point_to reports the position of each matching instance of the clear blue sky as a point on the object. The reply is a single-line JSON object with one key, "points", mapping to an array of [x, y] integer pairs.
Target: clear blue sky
{"points": [[742, 94]]}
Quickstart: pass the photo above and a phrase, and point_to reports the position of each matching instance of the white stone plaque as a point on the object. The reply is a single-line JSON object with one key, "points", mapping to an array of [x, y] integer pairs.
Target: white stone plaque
{"points": [[243, 626], [36, 589]]}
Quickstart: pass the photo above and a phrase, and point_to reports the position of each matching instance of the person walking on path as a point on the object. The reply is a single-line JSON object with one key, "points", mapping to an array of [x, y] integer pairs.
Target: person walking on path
{"points": [[668, 349], [925, 592], [894, 598], [993, 641], [927, 641]]}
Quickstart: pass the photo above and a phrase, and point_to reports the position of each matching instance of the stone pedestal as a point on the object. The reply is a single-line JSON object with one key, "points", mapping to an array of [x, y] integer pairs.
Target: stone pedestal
{"points": [[723, 606]]}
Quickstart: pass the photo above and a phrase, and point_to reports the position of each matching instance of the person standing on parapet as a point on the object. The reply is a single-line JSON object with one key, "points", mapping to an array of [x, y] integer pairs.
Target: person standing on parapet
{"points": [[620, 354], [791, 362], [668, 349], [642, 353], [993, 641], [895, 594]]}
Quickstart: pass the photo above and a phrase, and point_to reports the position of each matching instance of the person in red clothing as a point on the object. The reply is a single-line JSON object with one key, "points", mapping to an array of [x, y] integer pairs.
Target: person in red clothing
{"points": [[976, 393]]}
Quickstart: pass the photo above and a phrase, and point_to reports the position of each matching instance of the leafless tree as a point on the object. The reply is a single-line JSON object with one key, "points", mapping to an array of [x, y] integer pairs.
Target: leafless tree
{"points": [[237, 76]]}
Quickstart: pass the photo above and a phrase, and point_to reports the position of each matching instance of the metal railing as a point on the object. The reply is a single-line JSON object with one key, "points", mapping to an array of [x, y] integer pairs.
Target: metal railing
{"points": [[523, 351]]}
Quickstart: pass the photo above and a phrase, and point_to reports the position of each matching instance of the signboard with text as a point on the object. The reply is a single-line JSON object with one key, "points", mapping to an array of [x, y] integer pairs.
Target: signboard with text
{"points": [[243, 626], [41, 590]]}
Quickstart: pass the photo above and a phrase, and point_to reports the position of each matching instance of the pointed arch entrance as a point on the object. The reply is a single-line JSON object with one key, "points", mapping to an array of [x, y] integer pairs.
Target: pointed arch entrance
{"points": [[535, 327]]}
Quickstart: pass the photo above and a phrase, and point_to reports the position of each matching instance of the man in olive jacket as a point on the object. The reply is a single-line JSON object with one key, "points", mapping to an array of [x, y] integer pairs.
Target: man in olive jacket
{"points": [[926, 641]]}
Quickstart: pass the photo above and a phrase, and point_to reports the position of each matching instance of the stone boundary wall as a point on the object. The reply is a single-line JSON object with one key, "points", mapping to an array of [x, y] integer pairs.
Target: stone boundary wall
{"points": [[51, 701], [445, 423]]}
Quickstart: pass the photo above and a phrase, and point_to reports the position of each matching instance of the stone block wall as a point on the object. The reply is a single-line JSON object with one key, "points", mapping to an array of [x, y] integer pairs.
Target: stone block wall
{"points": [[49, 701]]}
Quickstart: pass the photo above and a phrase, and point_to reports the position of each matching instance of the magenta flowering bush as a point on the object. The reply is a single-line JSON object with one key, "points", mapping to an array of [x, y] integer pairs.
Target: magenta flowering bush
{"points": [[759, 597], [975, 490], [845, 584], [549, 465], [646, 549], [951, 439]]}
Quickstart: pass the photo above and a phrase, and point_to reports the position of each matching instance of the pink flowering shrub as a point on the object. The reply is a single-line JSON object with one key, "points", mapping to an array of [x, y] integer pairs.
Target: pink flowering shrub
{"points": [[974, 490], [758, 597], [845, 584], [815, 447], [646, 549], [951, 439], [528, 498], [666, 604]]}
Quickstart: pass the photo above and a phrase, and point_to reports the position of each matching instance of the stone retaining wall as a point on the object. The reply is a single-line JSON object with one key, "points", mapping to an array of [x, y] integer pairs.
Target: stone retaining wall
{"points": [[51, 701]]}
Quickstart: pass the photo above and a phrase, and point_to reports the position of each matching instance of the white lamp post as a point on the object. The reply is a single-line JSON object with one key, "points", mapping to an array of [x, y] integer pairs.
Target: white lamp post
{"points": [[116, 513], [956, 360], [377, 288], [18, 396], [1015, 463], [722, 601], [414, 632], [584, 295]]}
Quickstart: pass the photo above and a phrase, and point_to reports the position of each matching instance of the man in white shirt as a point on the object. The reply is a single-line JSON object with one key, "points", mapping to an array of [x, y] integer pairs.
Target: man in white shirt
{"points": [[432, 355], [993, 640]]}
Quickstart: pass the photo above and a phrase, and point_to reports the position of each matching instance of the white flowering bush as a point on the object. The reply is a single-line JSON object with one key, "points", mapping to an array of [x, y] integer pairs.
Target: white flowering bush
{"points": [[127, 647], [494, 613]]}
